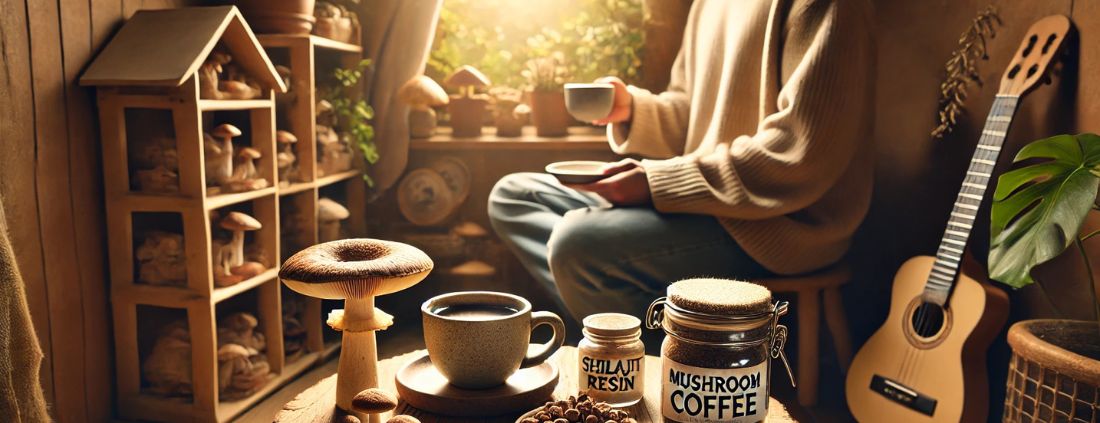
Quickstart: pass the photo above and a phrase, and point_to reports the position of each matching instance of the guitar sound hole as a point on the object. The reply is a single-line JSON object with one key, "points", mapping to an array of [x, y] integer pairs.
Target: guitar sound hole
{"points": [[927, 320]]}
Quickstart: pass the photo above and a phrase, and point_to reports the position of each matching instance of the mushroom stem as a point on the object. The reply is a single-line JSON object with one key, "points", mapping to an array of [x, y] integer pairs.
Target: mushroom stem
{"points": [[358, 369], [238, 248]]}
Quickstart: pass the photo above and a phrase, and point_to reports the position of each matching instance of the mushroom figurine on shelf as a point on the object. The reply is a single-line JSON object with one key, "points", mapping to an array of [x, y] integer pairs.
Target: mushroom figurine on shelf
{"points": [[218, 152], [210, 75], [245, 177], [285, 160], [329, 215], [232, 268], [467, 108], [511, 113], [421, 93], [161, 259], [356, 270], [167, 368]]}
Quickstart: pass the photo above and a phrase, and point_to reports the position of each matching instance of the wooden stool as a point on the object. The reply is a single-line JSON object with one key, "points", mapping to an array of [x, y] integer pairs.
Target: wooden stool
{"points": [[810, 288]]}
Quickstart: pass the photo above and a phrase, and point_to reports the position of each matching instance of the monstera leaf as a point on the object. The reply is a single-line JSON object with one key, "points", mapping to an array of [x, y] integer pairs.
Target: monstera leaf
{"points": [[1038, 209]]}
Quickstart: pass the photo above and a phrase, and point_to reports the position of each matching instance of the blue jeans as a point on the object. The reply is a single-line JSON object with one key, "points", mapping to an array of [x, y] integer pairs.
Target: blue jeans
{"points": [[599, 258]]}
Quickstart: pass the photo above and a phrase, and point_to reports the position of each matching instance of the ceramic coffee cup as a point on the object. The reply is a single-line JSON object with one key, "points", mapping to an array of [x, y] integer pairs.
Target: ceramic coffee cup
{"points": [[477, 339], [589, 102]]}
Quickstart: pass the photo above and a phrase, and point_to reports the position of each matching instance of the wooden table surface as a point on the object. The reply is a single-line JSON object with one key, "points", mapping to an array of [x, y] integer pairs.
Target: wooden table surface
{"points": [[317, 404]]}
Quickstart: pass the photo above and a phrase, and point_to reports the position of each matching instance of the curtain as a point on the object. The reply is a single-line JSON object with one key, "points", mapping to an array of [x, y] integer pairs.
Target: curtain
{"points": [[21, 397], [397, 36]]}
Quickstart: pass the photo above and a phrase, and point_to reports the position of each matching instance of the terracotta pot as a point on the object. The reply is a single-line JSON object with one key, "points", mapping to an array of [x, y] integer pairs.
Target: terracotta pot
{"points": [[338, 29], [548, 113], [467, 115], [278, 16], [1054, 374]]}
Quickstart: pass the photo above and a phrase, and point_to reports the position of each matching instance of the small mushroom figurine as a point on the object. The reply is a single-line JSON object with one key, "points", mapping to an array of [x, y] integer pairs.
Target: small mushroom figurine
{"points": [[218, 152], [421, 93], [467, 109], [245, 177], [374, 401], [511, 113], [232, 268], [329, 215], [356, 270], [285, 159]]}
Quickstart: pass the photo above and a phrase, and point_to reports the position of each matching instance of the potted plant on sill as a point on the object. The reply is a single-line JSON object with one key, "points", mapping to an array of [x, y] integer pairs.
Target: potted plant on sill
{"points": [[545, 78], [1037, 215]]}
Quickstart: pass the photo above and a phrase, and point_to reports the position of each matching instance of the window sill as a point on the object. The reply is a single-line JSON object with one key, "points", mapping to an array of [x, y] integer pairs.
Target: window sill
{"points": [[579, 138]]}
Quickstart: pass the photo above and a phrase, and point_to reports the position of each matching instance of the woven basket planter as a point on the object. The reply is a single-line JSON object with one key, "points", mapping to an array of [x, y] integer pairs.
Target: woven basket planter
{"points": [[1054, 374]]}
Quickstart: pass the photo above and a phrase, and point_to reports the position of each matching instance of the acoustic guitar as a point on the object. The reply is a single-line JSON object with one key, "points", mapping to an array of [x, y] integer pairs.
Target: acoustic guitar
{"points": [[927, 362]]}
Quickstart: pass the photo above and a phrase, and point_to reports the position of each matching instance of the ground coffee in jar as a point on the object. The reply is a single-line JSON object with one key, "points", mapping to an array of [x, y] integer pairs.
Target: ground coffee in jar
{"points": [[720, 337], [611, 359]]}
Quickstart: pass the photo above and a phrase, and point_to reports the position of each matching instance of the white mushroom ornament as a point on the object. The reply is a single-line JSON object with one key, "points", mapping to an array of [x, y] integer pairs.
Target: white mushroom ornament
{"points": [[218, 152], [232, 267], [285, 160], [356, 270], [245, 177], [329, 215], [422, 93]]}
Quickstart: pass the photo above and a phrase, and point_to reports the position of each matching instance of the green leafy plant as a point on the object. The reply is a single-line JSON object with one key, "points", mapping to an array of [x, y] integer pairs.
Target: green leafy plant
{"points": [[1038, 209], [354, 114], [545, 73]]}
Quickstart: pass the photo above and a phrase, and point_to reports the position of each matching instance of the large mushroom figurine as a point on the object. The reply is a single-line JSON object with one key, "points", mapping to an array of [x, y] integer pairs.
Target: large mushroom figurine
{"points": [[218, 152], [285, 160], [329, 215], [422, 94], [356, 270], [467, 108], [232, 268]]}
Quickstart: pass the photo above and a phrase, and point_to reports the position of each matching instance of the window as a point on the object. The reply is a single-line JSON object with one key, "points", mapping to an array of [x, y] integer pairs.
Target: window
{"points": [[590, 38]]}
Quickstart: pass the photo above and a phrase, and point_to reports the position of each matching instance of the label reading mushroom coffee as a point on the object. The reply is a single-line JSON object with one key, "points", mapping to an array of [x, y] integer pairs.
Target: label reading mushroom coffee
{"points": [[695, 394]]}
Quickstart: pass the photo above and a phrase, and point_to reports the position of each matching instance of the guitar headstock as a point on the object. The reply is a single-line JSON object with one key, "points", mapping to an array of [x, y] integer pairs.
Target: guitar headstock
{"points": [[1035, 56]]}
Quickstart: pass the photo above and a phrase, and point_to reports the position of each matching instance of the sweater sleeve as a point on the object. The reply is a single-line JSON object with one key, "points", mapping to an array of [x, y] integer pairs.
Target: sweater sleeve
{"points": [[659, 122], [798, 152]]}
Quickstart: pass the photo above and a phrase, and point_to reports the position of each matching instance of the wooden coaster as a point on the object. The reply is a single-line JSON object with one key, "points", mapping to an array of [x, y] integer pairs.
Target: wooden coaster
{"points": [[423, 387]]}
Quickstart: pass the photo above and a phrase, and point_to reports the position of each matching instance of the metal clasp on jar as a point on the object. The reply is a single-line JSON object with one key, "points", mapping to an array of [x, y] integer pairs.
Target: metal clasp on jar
{"points": [[777, 335]]}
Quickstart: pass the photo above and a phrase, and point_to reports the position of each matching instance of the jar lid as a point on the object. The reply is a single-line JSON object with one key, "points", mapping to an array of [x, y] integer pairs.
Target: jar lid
{"points": [[612, 324], [720, 296]]}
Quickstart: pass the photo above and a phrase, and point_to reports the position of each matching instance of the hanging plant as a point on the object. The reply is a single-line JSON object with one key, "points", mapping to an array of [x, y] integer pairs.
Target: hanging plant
{"points": [[962, 69]]}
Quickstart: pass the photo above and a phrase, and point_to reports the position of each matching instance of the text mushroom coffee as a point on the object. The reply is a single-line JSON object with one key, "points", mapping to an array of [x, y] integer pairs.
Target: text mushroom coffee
{"points": [[720, 337]]}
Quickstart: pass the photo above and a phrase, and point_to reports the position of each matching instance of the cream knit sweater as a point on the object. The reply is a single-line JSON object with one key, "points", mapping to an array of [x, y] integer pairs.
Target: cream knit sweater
{"points": [[766, 124]]}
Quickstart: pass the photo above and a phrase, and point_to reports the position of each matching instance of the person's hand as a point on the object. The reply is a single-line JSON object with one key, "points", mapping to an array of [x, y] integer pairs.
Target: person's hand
{"points": [[626, 184], [624, 102]]}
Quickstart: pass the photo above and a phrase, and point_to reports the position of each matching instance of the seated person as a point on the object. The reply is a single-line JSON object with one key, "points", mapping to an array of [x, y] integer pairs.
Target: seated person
{"points": [[759, 162]]}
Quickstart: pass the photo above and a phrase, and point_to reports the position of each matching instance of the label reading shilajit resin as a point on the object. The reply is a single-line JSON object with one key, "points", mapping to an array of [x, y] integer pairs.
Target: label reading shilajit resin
{"points": [[611, 375], [695, 394]]}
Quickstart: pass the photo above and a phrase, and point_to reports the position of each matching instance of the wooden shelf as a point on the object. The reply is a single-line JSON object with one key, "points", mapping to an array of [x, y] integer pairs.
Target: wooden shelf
{"points": [[288, 40], [296, 188], [331, 348], [221, 200], [222, 294], [179, 297], [579, 138], [212, 105], [337, 177]]}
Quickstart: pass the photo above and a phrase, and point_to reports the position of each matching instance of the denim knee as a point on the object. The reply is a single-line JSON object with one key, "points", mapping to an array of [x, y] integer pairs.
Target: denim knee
{"points": [[511, 187], [574, 246]]}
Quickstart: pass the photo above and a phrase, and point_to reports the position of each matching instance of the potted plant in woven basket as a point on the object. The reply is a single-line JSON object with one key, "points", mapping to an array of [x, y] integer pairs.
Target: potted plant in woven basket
{"points": [[1037, 214], [545, 78]]}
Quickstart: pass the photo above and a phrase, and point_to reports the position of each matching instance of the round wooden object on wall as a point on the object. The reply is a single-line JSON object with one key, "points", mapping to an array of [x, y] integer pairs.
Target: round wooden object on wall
{"points": [[423, 387], [456, 174], [424, 197]]}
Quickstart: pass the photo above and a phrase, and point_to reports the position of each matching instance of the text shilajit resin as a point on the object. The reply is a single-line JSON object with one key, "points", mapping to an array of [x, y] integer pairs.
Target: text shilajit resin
{"points": [[720, 337], [611, 359]]}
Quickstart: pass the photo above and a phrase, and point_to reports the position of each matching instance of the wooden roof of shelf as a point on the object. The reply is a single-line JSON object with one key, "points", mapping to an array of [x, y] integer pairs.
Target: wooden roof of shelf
{"points": [[165, 47]]}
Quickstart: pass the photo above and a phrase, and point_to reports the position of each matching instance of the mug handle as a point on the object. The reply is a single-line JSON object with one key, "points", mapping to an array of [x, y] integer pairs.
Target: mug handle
{"points": [[539, 318]]}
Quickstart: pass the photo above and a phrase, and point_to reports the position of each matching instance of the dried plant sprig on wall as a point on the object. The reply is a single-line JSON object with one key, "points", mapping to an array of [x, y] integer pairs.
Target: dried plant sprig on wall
{"points": [[962, 69]]}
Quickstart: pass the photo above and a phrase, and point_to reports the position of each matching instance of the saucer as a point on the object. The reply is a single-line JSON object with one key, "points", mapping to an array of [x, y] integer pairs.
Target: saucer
{"points": [[577, 171], [421, 385]]}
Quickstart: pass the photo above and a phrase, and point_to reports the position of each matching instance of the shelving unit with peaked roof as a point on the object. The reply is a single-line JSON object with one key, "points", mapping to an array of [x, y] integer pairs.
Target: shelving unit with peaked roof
{"points": [[148, 80]]}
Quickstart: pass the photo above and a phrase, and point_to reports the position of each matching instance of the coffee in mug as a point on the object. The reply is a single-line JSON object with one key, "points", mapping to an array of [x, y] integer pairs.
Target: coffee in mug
{"points": [[477, 339]]}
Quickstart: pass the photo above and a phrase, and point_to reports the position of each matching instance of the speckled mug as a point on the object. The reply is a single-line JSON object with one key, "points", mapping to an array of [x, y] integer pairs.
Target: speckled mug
{"points": [[483, 353]]}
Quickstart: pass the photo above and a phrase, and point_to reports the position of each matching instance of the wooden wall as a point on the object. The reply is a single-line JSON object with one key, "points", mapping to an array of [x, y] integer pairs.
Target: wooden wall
{"points": [[51, 188]]}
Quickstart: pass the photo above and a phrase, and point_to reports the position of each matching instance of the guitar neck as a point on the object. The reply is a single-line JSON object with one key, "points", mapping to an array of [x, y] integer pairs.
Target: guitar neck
{"points": [[937, 288]]}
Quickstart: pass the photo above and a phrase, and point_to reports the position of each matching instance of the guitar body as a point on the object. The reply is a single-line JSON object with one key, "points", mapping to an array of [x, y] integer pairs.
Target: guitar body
{"points": [[947, 367]]}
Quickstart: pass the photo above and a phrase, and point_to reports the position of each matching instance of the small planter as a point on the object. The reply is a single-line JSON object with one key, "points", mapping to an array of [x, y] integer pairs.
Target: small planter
{"points": [[548, 113], [278, 16], [1054, 374], [467, 115]]}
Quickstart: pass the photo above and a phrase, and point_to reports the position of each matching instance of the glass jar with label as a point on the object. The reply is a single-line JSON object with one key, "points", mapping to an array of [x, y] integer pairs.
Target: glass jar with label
{"points": [[720, 337], [611, 359]]}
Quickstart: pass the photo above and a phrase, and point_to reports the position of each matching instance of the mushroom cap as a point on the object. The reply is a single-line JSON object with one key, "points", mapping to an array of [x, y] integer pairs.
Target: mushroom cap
{"points": [[374, 401], [467, 75], [355, 268], [285, 137], [231, 351], [323, 106], [328, 210], [226, 130], [423, 91], [237, 221], [249, 153]]}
